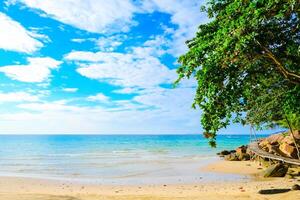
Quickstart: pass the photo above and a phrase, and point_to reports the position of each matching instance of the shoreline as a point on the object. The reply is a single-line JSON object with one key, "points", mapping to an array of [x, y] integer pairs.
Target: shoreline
{"points": [[17, 188]]}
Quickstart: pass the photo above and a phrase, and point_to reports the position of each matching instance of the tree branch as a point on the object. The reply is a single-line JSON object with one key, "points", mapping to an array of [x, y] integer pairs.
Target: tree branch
{"points": [[291, 76]]}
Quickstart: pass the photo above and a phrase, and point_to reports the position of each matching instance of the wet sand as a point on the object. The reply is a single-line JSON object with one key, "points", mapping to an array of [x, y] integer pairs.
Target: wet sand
{"points": [[12, 188]]}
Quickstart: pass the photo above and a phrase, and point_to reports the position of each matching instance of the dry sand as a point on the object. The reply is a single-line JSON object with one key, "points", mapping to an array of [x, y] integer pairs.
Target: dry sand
{"points": [[36, 189], [253, 169]]}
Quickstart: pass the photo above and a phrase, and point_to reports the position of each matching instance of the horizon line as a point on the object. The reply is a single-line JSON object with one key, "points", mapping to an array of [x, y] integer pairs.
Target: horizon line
{"points": [[119, 134]]}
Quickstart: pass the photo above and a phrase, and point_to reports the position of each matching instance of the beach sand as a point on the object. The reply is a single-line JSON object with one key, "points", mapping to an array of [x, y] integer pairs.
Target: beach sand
{"points": [[253, 169], [12, 188]]}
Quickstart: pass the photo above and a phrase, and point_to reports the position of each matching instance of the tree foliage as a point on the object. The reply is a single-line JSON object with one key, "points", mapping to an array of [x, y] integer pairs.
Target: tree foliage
{"points": [[246, 62]]}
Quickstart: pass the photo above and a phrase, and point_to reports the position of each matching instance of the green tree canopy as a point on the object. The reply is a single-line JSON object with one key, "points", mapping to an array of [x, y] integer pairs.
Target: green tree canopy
{"points": [[246, 62]]}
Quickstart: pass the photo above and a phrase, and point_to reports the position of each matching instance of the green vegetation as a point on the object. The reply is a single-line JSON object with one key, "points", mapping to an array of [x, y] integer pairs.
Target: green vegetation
{"points": [[246, 62]]}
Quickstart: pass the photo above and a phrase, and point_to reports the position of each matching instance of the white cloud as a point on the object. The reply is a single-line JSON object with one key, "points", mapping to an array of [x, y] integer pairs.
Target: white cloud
{"points": [[98, 97], [91, 15], [78, 40], [37, 33], [167, 99], [37, 70], [102, 16], [185, 14], [156, 46], [108, 45], [107, 16], [135, 69], [14, 37], [17, 97], [104, 43], [48, 116], [50, 106], [70, 89], [139, 67], [58, 117], [127, 90]]}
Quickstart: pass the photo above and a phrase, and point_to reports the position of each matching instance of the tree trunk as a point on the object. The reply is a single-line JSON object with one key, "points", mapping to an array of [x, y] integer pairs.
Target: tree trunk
{"points": [[298, 152]]}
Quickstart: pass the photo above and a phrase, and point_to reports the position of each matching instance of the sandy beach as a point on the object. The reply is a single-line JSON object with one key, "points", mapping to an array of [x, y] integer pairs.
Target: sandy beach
{"points": [[12, 188]]}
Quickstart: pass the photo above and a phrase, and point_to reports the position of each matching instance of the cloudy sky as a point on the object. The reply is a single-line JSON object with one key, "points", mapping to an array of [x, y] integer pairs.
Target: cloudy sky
{"points": [[96, 66]]}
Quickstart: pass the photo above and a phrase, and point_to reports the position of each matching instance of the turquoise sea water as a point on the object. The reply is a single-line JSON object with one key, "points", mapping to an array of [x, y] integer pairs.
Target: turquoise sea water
{"points": [[113, 159]]}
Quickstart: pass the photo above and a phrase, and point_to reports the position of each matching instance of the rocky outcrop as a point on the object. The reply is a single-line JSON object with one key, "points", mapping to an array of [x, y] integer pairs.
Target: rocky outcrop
{"points": [[296, 134], [241, 150], [231, 157], [296, 187], [288, 150], [276, 170], [223, 153], [275, 139], [292, 172], [244, 156], [281, 144], [288, 140], [239, 154]]}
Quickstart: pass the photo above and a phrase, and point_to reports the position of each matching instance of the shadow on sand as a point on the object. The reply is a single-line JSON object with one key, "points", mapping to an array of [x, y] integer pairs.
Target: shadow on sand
{"points": [[273, 191]]}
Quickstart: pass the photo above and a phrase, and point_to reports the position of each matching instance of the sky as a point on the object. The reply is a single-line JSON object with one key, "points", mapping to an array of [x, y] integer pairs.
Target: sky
{"points": [[96, 66]]}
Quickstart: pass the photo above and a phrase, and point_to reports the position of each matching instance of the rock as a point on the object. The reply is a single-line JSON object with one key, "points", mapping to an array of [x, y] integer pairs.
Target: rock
{"points": [[233, 151], [264, 162], [289, 176], [248, 151], [288, 150], [271, 148], [274, 149], [244, 156], [276, 170], [262, 144], [288, 140], [294, 171], [231, 157], [296, 187], [296, 134], [241, 150], [275, 139], [223, 153]]}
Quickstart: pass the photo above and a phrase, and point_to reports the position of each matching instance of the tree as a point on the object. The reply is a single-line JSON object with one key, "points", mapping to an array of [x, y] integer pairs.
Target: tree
{"points": [[246, 62]]}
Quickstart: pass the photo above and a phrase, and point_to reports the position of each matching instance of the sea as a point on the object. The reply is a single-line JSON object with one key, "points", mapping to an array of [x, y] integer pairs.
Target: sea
{"points": [[115, 159]]}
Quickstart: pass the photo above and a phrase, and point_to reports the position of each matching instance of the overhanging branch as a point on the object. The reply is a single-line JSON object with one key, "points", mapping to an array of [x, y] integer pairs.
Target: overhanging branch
{"points": [[291, 76]]}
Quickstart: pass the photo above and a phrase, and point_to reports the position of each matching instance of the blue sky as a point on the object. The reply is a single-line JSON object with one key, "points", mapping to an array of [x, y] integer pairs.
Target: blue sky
{"points": [[93, 66]]}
